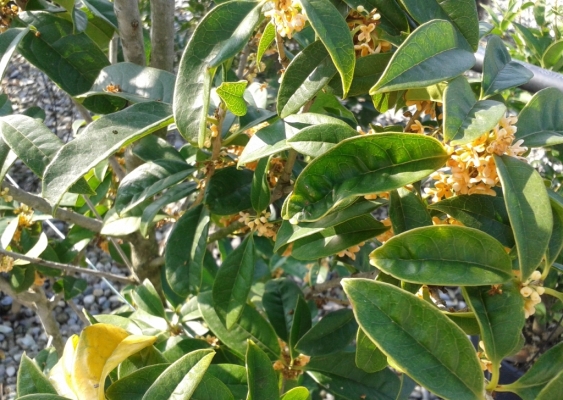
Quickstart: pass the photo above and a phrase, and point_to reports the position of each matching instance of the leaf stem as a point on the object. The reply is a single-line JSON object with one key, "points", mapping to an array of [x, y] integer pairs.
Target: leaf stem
{"points": [[495, 374], [554, 293], [546, 269]]}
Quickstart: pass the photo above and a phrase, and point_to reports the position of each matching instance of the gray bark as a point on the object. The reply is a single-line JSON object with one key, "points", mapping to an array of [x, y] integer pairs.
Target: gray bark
{"points": [[130, 30], [162, 34]]}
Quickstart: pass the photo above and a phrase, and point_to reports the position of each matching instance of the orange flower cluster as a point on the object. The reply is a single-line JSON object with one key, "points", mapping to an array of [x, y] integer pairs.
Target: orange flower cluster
{"points": [[260, 224], [287, 16], [6, 264], [472, 166], [388, 234], [363, 24], [532, 290], [7, 14], [351, 251]]}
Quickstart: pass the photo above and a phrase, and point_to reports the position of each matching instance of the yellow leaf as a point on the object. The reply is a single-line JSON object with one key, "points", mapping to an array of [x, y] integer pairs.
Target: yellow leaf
{"points": [[61, 374]]}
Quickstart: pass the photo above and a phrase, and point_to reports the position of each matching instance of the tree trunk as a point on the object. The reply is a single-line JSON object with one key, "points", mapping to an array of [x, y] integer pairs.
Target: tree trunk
{"points": [[130, 30], [162, 34]]}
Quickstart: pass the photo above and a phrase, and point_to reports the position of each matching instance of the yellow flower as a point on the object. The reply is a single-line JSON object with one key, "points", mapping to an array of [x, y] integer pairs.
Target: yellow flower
{"points": [[532, 290], [365, 32]]}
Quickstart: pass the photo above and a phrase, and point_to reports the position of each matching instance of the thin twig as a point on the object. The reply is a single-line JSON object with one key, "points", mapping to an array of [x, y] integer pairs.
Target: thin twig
{"points": [[242, 61], [282, 187], [284, 61], [65, 267], [116, 167], [224, 232], [78, 311]]}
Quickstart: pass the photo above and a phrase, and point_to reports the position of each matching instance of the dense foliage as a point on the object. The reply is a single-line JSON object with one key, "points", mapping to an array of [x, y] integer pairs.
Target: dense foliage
{"points": [[299, 179]]}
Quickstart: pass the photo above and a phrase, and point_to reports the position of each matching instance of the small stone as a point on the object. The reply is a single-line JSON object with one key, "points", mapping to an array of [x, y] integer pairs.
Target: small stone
{"points": [[11, 371], [17, 357], [102, 300], [106, 306], [62, 318], [26, 342], [115, 300], [98, 292], [89, 300], [5, 329]]}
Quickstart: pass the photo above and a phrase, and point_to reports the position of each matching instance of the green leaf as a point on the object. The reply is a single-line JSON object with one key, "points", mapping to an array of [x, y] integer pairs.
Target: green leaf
{"points": [[466, 321], [337, 238], [260, 191], [556, 241], [251, 325], [480, 211], [265, 142], [545, 370], [146, 297], [135, 385], [553, 56], [333, 31], [360, 166], [297, 393], [402, 324], [100, 140], [499, 72], [132, 83], [262, 379], [289, 233], [220, 35], [172, 195], [70, 286], [180, 380], [280, 302], [152, 148], [366, 74], [538, 122], [185, 249], [228, 191], [534, 44], [232, 376], [72, 61], [331, 334], [177, 349], [529, 211], [232, 95], [434, 52], [446, 255], [305, 76], [8, 42], [339, 375], [553, 389], [233, 282], [316, 140], [368, 357], [31, 380], [22, 278], [465, 118], [102, 9], [301, 324], [42, 397], [211, 388], [407, 211], [148, 180], [500, 317], [462, 14], [267, 38]]}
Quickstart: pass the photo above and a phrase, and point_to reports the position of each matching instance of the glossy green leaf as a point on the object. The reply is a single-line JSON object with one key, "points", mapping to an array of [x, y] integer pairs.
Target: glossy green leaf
{"points": [[407, 211], [465, 118], [339, 374], [366, 74], [148, 180], [134, 385], [211, 388], [500, 316], [445, 255], [42, 397], [72, 61], [229, 191], [529, 211], [232, 376], [461, 13], [333, 31], [534, 44], [545, 370], [133, 83], [22, 278], [233, 282], [267, 38], [331, 334], [251, 325], [434, 52], [280, 301], [402, 324], [360, 166], [100, 140], [220, 35], [305, 76], [185, 249], [480, 211], [176, 347], [301, 324], [466, 321], [499, 71], [260, 191], [316, 140], [262, 379], [368, 357], [70, 286], [103, 9], [232, 95], [289, 233], [180, 380], [8, 42], [152, 148], [556, 241], [538, 122], [146, 297], [265, 142], [553, 56], [297, 393], [338, 238], [31, 380], [553, 389]]}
